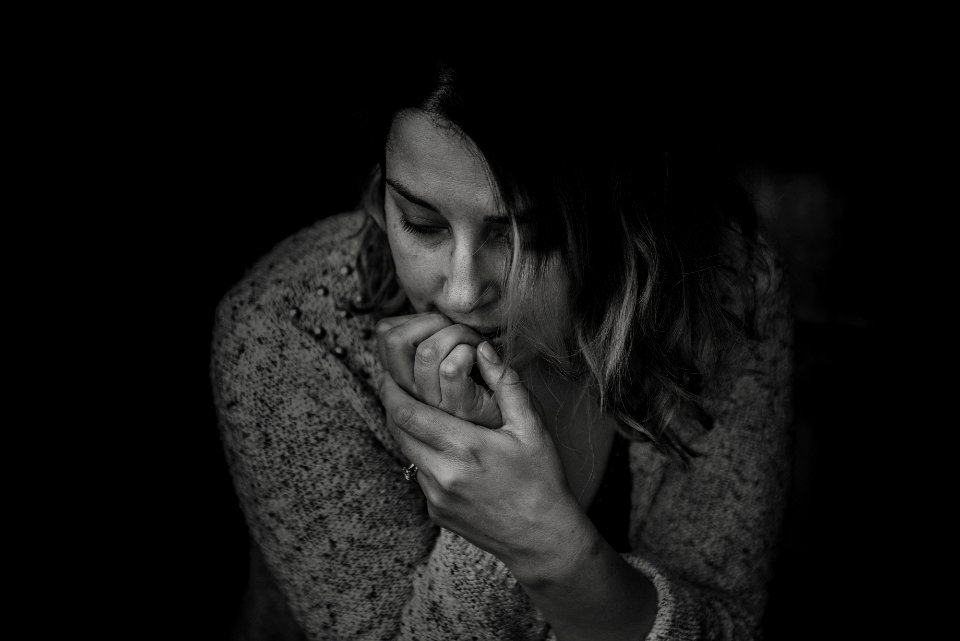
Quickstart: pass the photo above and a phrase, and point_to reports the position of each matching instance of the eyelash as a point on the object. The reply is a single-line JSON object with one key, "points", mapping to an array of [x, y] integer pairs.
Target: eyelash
{"points": [[431, 230], [419, 230]]}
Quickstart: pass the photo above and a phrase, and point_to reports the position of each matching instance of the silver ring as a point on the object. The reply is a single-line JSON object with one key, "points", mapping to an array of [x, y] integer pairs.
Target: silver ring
{"points": [[410, 472]]}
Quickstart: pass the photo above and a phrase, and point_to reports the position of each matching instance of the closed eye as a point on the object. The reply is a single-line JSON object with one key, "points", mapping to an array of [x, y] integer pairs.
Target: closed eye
{"points": [[499, 231], [419, 230]]}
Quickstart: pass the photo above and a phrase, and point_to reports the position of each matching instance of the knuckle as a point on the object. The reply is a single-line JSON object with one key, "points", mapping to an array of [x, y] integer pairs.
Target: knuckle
{"points": [[509, 379], [447, 480], [382, 327], [449, 371], [510, 376], [393, 340], [403, 415], [426, 353]]}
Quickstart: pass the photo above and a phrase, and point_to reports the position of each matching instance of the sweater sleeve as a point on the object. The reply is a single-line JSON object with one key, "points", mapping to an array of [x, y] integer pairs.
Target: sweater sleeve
{"points": [[342, 544], [338, 528], [706, 535]]}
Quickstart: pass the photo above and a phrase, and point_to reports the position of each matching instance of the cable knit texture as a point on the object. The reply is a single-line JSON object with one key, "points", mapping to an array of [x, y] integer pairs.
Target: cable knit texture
{"points": [[343, 547]]}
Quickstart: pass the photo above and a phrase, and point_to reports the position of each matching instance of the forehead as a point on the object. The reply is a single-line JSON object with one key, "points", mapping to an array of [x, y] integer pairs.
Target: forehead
{"points": [[439, 164]]}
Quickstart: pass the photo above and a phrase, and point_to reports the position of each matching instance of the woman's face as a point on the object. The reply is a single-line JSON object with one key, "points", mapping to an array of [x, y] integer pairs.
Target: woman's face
{"points": [[450, 245]]}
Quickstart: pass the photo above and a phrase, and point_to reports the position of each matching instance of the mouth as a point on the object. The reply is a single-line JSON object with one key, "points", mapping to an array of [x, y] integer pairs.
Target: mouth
{"points": [[490, 334]]}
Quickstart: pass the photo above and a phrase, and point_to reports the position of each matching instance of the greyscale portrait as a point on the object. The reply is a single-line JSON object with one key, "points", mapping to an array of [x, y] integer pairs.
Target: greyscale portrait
{"points": [[520, 371]]}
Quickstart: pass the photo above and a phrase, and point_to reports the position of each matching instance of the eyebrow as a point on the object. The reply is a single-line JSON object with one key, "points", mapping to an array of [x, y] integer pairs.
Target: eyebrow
{"points": [[404, 191]]}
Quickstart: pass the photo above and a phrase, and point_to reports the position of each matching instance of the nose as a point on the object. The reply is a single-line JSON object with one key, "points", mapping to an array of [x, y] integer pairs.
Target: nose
{"points": [[472, 283]]}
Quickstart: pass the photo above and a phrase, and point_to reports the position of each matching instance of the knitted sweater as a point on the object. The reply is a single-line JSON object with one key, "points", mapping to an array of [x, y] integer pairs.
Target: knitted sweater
{"points": [[343, 545]]}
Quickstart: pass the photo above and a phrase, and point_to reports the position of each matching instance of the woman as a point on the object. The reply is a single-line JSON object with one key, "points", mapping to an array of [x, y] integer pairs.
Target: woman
{"points": [[537, 387]]}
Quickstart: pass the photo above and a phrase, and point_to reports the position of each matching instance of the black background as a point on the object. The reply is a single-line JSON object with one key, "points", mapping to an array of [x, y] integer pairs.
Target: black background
{"points": [[225, 155]]}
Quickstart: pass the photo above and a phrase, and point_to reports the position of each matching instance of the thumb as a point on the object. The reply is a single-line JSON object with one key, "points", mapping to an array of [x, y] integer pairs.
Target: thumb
{"points": [[511, 394]]}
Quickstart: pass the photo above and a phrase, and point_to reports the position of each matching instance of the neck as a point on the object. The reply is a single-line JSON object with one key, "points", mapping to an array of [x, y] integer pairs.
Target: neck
{"points": [[582, 434]]}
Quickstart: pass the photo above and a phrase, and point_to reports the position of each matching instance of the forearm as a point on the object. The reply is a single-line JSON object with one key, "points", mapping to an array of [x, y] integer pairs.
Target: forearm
{"points": [[588, 591]]}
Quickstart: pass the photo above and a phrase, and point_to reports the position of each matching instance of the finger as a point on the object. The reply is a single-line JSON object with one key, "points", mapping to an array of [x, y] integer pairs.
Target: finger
{"points": [[412, 449], [512, 396], [461, 395], [420, 455], [454, 375], [428, 425], [431, 352], [397, 343], [383, 326], [387, 324]]}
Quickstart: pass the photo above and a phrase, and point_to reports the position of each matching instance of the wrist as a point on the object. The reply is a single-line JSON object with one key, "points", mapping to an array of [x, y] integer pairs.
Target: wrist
{"points": [[567, 540]]}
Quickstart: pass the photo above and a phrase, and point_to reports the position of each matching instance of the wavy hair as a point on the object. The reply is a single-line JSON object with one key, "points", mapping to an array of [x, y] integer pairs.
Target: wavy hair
{"points": [[656, 247]]}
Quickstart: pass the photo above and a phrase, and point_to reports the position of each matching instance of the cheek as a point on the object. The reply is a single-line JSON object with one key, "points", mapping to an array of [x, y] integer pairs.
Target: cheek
{"points": [[415, 270]]}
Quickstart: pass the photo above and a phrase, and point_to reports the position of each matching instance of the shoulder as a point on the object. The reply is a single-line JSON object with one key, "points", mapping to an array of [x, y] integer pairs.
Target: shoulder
{"points": [[771, 317], [318, 258], [750, 392], [755, 291], [327, 246], [290, 308]]}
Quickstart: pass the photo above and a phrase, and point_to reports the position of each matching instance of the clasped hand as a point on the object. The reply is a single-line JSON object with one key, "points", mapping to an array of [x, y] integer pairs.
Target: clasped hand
{"points": [[488, 468]]}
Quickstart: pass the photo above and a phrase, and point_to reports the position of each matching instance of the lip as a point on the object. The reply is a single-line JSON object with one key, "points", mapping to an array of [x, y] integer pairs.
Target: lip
{"points": [[493, 332], [487, 331]]}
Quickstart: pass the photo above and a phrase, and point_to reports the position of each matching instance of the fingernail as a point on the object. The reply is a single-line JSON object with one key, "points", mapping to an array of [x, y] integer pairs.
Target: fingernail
{"points": [[489, 353]]}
